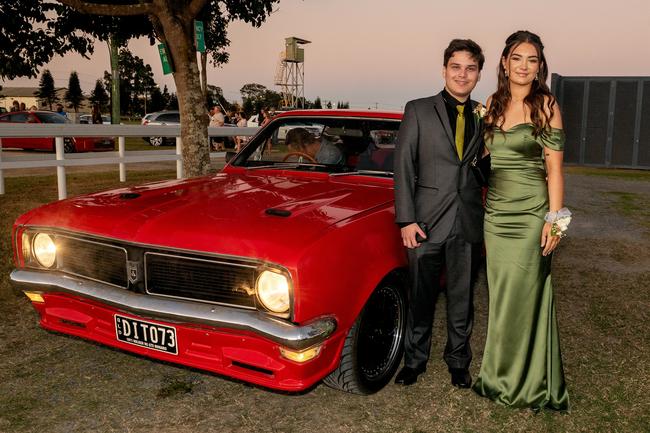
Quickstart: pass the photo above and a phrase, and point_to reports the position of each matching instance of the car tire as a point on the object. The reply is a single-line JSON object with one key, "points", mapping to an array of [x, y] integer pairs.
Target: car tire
{"points": [[156, 141], [68, 145], [374, 345]]}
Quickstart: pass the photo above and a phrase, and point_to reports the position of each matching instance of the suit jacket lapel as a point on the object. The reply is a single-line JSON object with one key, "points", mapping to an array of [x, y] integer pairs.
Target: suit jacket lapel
{"points": [[441, 111], [469, 149]]}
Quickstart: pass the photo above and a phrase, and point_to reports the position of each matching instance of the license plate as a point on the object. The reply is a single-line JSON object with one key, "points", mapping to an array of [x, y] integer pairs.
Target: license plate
{"points": [[146, 334]]}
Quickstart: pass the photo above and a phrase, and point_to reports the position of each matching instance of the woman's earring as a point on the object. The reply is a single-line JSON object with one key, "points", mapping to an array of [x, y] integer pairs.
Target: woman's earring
{"points": [[505, 71], [537, 76]]}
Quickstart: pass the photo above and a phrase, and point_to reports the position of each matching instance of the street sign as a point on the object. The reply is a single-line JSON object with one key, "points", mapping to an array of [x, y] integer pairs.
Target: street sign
{"points": [[164, 59], [199, 36]]}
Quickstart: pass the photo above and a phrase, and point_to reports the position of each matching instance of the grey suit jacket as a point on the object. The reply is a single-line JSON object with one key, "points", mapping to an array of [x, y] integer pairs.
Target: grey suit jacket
{"points": [[432, 185]]}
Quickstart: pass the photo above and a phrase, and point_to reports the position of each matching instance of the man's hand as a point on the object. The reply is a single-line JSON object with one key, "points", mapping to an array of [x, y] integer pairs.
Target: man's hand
{"points": [[408, 235]]}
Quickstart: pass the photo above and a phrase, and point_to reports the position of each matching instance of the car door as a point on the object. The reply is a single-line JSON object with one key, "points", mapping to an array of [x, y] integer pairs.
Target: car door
{"points": [[22, 142]]}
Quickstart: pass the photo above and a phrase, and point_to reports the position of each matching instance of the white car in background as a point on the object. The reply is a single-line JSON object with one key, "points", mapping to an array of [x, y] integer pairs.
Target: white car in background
{"points": [[253, 121], [169, 117], [87, 119]]}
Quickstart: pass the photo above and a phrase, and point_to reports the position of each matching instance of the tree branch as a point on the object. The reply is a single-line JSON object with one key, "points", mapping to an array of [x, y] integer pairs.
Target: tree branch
{"points": [[109, 9], [195, 7]]}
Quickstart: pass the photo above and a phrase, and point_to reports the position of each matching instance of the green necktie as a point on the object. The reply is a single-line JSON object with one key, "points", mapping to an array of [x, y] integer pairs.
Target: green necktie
{"points": [[460, 130]]}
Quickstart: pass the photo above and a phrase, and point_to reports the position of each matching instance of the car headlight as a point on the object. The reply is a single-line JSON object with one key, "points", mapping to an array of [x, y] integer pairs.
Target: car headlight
{"points": [[44, 250], [273, 291]]}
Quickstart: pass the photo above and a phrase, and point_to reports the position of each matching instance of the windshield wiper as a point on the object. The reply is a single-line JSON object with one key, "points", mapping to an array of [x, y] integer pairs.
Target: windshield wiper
{"points": [[364, 172], [286, 165]]}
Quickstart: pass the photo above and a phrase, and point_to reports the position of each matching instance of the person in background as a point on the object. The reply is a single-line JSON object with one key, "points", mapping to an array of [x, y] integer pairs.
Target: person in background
{"points": [[264, 118], [15, 106], [96, 115], [22, 107], [61, 111], [315, 150], [240, 140], [217, 119]]}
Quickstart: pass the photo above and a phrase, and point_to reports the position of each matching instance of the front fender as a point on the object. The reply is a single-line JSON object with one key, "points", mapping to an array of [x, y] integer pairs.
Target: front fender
{"points": [[337, 274]]}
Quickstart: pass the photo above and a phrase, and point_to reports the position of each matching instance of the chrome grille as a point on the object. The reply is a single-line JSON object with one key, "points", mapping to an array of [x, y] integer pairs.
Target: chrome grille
{"points": [[94, 260], [200, 279]]}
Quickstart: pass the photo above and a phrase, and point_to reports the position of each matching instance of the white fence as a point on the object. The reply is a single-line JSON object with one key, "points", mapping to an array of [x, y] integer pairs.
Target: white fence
{"points": [[121, 157]]}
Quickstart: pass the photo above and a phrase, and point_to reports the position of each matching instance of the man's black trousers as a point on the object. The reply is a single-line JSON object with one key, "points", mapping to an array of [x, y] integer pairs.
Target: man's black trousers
{"points": [[426, 263]]}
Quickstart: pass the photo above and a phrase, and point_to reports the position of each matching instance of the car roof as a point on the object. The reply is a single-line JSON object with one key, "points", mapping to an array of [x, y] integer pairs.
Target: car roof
{"points": [[375, 114]]}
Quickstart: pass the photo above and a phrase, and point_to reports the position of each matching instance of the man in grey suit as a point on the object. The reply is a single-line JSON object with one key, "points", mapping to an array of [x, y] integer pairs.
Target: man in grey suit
{"points": [[438, 205]]}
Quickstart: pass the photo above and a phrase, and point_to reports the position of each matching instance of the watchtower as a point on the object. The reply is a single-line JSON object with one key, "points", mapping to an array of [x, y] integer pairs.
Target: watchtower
{"points": [[290, 74]]}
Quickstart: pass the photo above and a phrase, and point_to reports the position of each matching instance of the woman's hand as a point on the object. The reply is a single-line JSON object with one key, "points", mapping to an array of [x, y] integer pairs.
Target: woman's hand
{"points": [[549, 243]]}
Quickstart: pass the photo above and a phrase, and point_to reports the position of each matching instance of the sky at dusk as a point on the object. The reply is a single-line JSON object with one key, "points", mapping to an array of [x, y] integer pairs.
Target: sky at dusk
{"points": [[383, 53]]}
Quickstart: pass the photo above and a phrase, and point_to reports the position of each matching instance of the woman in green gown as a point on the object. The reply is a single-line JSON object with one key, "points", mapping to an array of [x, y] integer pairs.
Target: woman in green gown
{"points": [[522, 365]]}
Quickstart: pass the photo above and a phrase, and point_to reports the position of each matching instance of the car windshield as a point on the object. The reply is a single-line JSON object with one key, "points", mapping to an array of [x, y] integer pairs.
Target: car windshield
{"points": [[329, 144], [51, 118]]}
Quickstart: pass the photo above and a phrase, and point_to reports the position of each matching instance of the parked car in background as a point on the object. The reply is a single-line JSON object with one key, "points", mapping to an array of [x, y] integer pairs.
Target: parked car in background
{"points": [[70, 144], [87, 119], [281, 270], [169, 117]]}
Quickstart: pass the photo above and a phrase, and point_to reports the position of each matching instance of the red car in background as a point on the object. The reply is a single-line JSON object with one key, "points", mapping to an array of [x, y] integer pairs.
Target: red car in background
{"points": [[70, 144], [284, 269]]}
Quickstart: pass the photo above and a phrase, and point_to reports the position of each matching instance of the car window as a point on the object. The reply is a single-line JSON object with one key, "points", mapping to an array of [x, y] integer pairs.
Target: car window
{"points": [[51, 118], [169, 117], [17, 117], [332, 144]]}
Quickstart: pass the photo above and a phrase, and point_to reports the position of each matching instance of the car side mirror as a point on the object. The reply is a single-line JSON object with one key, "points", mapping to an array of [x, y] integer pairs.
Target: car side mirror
{"points": [[229, 155]]}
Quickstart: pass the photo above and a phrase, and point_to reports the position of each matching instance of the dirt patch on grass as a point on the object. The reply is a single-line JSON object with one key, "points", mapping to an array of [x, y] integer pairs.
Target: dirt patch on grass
{"points": [[54, 383]]}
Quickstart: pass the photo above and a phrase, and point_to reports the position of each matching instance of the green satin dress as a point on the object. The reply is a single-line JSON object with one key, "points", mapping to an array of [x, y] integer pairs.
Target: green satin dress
{"points": [[522, 365]]}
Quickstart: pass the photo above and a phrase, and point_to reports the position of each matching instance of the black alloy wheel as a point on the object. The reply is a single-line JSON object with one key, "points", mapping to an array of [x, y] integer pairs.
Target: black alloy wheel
{"points": [[373, 348], [156, 141]]}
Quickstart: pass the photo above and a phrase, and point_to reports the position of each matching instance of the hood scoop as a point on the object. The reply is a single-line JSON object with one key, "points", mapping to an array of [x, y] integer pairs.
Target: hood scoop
{"points": [[129, 195], [278, 212]]}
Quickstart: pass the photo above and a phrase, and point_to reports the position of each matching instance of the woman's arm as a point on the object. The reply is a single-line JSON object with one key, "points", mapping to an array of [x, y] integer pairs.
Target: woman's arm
{"points": [[555, 179]]}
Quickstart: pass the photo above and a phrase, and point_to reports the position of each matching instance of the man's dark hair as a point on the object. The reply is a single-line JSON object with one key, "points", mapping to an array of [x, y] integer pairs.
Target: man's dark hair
{"points": [[465, 45]]}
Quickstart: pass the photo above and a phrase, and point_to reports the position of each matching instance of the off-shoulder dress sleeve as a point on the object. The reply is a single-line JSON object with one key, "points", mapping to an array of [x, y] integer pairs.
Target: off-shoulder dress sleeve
{"points": [[553, 139]]}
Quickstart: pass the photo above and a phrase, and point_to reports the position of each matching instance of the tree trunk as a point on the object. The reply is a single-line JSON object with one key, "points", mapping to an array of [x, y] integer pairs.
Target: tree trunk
{"points": [[194, 117]]}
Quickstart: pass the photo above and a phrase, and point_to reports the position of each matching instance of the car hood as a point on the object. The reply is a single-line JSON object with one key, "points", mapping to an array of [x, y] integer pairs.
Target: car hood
{"points": [[263, 216]]}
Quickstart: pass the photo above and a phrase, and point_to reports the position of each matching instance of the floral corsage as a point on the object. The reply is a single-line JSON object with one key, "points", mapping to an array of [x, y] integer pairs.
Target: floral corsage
{"points": [[559, 221], [479, 111]]}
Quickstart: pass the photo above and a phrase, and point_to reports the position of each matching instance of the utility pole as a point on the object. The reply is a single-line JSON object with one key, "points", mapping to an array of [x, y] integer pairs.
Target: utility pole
{"points": [[113, 47]]}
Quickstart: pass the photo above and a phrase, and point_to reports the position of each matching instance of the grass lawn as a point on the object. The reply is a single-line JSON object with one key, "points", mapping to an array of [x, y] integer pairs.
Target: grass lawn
{"points": [[54, 383]]}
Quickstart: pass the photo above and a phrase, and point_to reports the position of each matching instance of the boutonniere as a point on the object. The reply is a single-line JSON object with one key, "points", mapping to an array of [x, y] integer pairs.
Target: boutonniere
{"points": [[480, 111]]}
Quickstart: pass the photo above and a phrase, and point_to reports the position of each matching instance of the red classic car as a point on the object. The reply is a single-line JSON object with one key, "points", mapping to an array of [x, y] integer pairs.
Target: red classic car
{"points": [[284, 269], [70, 144]]}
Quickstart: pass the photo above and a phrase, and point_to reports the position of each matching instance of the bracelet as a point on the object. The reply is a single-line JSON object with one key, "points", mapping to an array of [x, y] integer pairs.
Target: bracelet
{"points": [[559, 221]]}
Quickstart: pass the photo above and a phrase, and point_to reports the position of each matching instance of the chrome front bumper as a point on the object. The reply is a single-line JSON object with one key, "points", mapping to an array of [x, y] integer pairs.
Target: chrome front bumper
{"points": [[179, 311]]}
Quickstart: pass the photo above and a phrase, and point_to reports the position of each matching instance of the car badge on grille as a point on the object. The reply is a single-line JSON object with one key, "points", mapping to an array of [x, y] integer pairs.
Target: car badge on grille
{"points": [[135, 271]]}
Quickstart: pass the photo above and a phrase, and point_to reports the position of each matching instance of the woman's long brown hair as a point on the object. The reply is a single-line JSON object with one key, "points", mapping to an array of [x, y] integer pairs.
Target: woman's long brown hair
{"points": [[538, 92]]}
